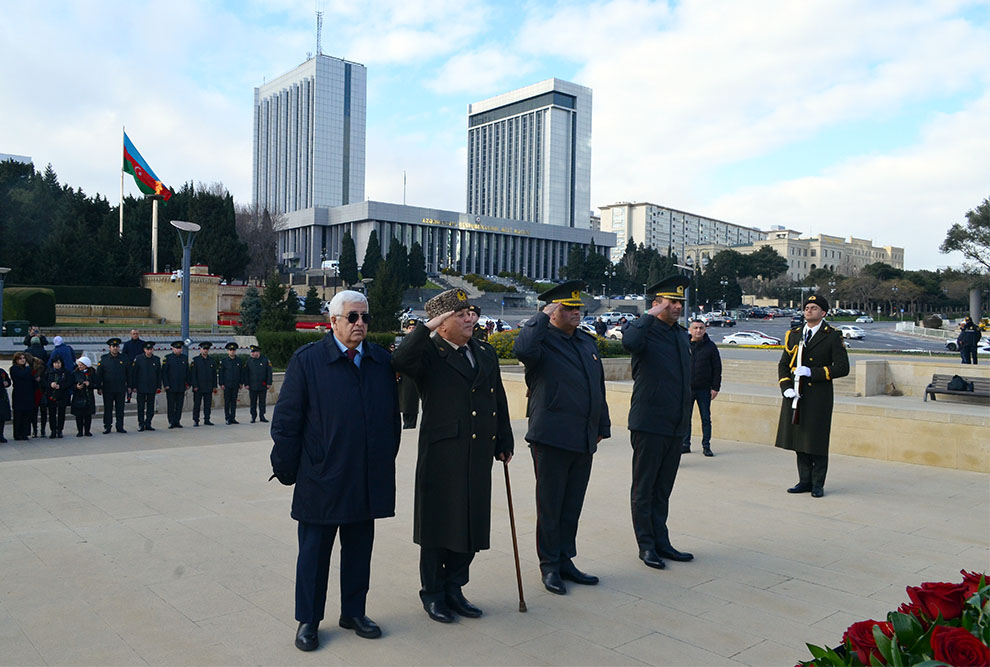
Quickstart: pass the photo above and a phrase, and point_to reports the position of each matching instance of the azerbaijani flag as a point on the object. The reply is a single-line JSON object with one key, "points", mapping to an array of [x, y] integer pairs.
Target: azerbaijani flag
{"points": [[145, 178]]}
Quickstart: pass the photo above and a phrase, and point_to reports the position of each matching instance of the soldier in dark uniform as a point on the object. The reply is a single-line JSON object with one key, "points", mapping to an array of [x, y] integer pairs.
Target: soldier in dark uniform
{"points": [[659, 415], [112, 380], [258, 374], [568, 417], [815, 354], [175, 380], [408, 396], [203, 378], [230, 377], [132, 348], [465, 427], [146, 381], [968, 340]]}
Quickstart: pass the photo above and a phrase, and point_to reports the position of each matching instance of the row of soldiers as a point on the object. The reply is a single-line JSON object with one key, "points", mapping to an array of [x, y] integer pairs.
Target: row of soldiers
{"points": [[149, 375]]}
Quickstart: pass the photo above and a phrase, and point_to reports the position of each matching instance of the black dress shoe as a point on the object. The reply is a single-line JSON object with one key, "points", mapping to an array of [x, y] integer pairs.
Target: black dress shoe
{"points": [[686, 450], [457, 602], [262, 419], [105, 431], [171, 426], [800, 487], [88, 434], [178, 426], [140, 429], [307, 636], [439, 612], [817, 492], [252, 421], [362, 626], [707, 451], [208, 423], [195, 424], [234, 421], [553, 583], [149, 428], [650, 557], [670, 553], [571, 573]]}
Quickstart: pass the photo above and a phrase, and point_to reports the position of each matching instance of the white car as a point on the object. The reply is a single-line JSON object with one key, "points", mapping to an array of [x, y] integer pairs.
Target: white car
{"points": [[982, 347], [750, 338], [615, 333], [864, 319], [850, 331]]}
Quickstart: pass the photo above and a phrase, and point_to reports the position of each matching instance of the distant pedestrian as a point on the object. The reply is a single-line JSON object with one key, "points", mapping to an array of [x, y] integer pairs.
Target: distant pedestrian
{"points": [[175, 380], [706, 381], [63, 351], [37, 350], [22, 395], [968, 340], [203, 378], [83, 400], [258, 377], [35, 332], [57, 385], [112, 377], [600, 327], [4, 402], [231, 377], [37, 367], [146, 381], [133, 348]]}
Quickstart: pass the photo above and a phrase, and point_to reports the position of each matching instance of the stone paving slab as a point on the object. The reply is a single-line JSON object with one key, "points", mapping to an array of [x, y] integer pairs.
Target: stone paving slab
{"points": [[170, 548]]}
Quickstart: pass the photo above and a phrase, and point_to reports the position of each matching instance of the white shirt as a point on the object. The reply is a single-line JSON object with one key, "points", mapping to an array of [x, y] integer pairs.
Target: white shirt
{"points": [[469, 355], [813, 330]]}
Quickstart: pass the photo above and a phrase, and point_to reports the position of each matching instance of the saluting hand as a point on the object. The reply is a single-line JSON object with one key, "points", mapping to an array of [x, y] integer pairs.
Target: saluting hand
{"points": [[655, 310], [438, 320], [550, 308]]}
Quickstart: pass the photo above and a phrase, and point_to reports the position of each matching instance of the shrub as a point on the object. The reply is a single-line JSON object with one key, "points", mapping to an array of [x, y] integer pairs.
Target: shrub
{"points": [[610, 348], [34, 304], [99, 295], [448, 271], [503, 341], [486, 285]]}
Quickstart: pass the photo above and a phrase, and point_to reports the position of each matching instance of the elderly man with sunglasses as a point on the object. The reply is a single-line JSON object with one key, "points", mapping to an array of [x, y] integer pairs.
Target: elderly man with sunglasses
{"points": [[336, 433]]}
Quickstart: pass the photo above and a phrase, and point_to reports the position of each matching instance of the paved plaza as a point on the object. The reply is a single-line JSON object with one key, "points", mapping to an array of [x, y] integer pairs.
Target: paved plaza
{"points": [[171, 548]]}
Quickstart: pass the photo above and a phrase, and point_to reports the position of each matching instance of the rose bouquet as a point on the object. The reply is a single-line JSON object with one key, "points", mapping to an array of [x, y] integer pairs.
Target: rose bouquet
{"points": [[943, 624]]}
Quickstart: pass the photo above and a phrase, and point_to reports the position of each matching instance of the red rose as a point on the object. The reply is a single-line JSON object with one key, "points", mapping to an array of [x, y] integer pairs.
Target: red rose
{"points": [[958, 647], [971, 580], [860, 638], [911, 609], [936, 598]]}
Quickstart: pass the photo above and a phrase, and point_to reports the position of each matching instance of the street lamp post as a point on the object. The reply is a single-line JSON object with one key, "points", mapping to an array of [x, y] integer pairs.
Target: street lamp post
{"points": [[724, 282], [366, 281], [4, 270], [187, 234]]}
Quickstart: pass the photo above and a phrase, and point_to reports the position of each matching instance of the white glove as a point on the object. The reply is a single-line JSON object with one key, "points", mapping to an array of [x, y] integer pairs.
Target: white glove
{"points": [[802, 371], [789, 393]]}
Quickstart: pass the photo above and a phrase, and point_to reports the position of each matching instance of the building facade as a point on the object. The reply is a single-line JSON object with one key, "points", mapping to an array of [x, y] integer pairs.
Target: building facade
{"points": [[309, 136], [669, 230], [23, 159], [468, 243], [529, 155]]}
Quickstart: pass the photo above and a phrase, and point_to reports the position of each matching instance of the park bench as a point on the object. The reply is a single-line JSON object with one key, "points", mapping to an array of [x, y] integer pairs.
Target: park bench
{"points": [[940, 385]]}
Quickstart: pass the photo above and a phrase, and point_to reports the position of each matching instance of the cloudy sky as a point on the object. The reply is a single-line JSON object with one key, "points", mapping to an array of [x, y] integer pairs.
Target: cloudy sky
{"points": [[843, 117]]}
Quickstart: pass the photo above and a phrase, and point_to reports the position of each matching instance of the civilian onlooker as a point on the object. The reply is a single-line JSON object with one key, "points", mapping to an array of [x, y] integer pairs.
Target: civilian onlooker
{"points": [[600, 327], [64, 352], [706, 381], [83, 399], [969, 338], [56, 385], [35, 332], [37, 349], [4, 402], [37, 367], [133, 348], [22, 396]]}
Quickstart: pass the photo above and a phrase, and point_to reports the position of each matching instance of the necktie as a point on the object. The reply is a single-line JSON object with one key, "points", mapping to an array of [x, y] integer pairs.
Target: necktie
{"points": [[351, 354], [807, 336], [464, 353]]}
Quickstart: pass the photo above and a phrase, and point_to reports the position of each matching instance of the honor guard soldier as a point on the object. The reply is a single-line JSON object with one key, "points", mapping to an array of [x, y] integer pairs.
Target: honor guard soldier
{"points": [[814, 355], [111, 378], [146, 381], [465, 428], [568, 417], [258, 371], [175, 381], [408, 395], [203, 378], [659, 415], [230, 377]]}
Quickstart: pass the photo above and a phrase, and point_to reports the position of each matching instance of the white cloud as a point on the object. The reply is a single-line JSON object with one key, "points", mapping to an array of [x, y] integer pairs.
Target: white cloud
{"points": [[480, 72]]}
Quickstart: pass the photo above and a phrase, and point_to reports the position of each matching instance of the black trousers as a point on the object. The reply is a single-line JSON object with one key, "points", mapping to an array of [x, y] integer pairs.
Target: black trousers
{"points": [[561, 481], [655, 462], [113, 406], [812, 469], [442, 571], [204, 398], [258, 403], [968, 354], [84, 422], [42, 410], [146, 409], [313, 568], [229, 404], [22, 424], [56, 417], [174, 401]]}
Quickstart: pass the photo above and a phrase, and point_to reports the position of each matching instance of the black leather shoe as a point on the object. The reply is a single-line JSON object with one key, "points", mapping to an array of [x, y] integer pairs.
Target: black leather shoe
{"points": [[571, 573], [149, 428], [707, 451], [670, 553], [457, 602], [686, 450], [178, 426], [252, 421], [817, 492], [195, 424], [121, 430], [439, 612], [234, 421], [307, 637], [171, 426], [262, 419], [650, 557], [140, 428], [207, 423], [105, 431], [800, 487], [553, 583], [362, 626]]}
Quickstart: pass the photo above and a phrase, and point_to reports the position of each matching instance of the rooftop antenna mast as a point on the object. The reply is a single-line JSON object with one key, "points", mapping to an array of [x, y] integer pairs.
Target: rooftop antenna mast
{"points": [[319, 33]]}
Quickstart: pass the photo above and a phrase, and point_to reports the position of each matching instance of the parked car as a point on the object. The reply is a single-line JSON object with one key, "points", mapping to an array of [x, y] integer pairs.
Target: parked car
{"points": [[797, 321], [587, 328], [719, 321], [750, 338], [850, 331], [615, 333], [864, 319], [983, 347], [611, 317]]}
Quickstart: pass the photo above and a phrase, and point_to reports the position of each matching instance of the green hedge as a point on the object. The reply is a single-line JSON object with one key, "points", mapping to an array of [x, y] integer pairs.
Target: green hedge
{"points": [[503, 342], [279, 346], [100, 295], [34, 304], [486, 285]]}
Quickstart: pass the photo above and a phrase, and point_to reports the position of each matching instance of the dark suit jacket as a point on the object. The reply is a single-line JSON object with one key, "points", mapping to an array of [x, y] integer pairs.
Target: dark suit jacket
{"points": [[661, 370]]}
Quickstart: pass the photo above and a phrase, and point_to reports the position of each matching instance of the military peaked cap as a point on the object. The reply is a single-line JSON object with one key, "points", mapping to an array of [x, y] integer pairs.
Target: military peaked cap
{"points": [[113, 341], [177, 343], [671, 287], [231, 346], [567, 294], [148, 345], [205, 345]]}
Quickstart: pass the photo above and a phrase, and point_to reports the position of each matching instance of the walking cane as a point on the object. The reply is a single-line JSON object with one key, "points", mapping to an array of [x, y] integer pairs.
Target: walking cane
{"points": [[515, 545]]}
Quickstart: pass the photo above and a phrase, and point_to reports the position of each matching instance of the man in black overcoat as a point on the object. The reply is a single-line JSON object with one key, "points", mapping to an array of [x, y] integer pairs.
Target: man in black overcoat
{"points": [[146, 381], [465, 427], [203, 378], [568, 417], [258, 375], [336, 434], [112, 380], [659, 415], [815, 354], [231, 377], [175, 380]]}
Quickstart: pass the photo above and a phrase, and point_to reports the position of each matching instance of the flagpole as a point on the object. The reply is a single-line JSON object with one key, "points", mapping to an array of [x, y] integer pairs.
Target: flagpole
{"points": [[120, 232], [154, 235]]}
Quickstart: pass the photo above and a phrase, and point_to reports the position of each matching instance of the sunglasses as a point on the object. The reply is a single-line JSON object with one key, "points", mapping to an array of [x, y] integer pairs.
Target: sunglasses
{"points": [[353, 316]]}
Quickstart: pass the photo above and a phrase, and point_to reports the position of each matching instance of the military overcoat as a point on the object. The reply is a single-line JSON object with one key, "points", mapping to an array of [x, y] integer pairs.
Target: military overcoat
{"points": [[825, 354], [113, 373], [465, 425]]}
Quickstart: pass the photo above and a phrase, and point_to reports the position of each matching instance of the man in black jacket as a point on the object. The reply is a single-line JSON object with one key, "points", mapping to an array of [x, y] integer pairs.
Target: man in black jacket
{"points": [[132, 348], [112, 380], [968, 340], [568, 417], [231, 377], [203, 378], [659, 415], [175, 379], [146, 381], [258, 377], [706, 381]]}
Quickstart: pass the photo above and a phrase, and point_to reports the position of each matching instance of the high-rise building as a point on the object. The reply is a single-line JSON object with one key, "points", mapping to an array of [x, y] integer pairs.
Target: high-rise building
{"points": [[309, 136], [529, 155]]}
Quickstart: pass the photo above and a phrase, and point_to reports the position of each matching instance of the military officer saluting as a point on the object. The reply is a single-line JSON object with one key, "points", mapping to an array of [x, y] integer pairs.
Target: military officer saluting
{"points": [[568, 417], [146, 381], [814, 355], [111, 378], [230, 377], [175, 380], [203, 378], [258, 371]]}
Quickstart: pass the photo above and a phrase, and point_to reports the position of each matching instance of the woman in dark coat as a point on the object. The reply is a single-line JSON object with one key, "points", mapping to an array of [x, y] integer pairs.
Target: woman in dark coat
{"points": [[57, 384], [4, 402], [40, 406], [83, 402], [22, 396]]}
